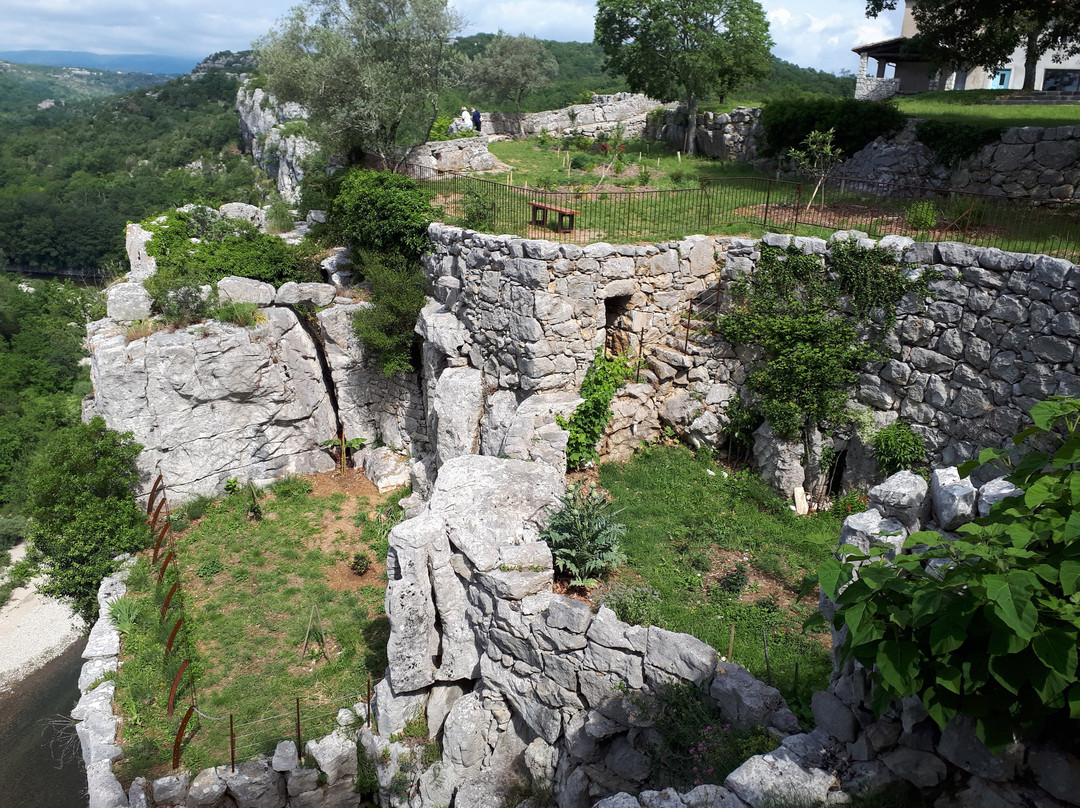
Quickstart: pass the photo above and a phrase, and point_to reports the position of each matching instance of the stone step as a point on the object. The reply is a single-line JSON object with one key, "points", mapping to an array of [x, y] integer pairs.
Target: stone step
{"points": [[1041, 98]]}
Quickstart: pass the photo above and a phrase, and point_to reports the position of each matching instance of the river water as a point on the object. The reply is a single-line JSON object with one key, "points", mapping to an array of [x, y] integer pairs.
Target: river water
{"points": [[41, 766]]}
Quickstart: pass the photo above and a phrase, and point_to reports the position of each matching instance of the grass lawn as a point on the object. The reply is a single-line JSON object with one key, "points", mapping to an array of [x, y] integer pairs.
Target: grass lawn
{"points": [[709, 549], [248, 587], [971, 107]]}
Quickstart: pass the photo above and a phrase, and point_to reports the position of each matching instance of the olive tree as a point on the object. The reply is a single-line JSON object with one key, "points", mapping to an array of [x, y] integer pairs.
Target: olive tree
{"points": [[368, 71], [510, 68], [684, 49]]}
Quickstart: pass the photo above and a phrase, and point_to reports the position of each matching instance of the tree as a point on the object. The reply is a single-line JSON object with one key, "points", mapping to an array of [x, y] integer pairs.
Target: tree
{"points": [[368, 71], [818, 159], [511, 67], [83, 508], [984, 33], [684, 49]]}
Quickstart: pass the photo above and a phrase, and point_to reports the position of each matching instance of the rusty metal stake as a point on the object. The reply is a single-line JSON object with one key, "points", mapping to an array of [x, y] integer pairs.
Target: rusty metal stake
{"points": [[175, 685], [179, 737]]}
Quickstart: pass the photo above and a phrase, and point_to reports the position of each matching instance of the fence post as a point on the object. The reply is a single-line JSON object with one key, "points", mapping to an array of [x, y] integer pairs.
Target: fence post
{"points": [[299, 747], [232, 745], [180, 737], [175, 685], [768, 199]]}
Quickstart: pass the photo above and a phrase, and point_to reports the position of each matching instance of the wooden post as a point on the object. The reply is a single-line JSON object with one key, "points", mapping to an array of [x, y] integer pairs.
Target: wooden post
{"points": [[731, 645], [232, 745], [768, 669]]}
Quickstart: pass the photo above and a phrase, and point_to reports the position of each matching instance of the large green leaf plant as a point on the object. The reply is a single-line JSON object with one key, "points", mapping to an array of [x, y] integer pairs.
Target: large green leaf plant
{"points": [[985, 625]]}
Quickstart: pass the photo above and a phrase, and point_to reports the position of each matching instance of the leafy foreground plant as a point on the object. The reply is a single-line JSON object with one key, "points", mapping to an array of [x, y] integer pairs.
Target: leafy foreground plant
{"points": [[985, 626], [584, 538]]}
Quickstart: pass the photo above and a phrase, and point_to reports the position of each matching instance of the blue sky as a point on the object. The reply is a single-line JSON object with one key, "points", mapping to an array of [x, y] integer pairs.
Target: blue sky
{"points": [[811, 33]]}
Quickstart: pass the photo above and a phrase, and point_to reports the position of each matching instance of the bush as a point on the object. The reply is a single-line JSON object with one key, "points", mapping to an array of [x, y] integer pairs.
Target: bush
{"points": [[922, 215], [83, 509], [584, 538], [636, 605], [898, 448], [13, 530], [361, 563], [397, 292], [788, 121], [182, 305], [381, 211], [247, 315], [985, 625], [477, 209]]}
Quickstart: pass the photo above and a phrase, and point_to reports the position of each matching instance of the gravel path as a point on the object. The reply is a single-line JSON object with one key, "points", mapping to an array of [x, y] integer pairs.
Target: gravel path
{"points": [[33, 629]]}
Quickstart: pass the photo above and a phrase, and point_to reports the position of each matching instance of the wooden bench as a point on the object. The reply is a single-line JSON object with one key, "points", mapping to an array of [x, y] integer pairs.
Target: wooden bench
{"points": [[539, 216]]}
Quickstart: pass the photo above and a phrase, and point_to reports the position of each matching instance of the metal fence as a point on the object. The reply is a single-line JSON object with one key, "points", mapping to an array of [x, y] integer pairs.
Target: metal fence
{"points": [[751, 206]]}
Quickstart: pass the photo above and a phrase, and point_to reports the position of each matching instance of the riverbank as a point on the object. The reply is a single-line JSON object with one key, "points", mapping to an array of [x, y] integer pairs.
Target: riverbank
{"points": [[34, 629]]}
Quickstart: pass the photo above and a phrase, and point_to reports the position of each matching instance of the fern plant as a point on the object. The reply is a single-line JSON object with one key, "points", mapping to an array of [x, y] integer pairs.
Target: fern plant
{"points": [[584, 538]]}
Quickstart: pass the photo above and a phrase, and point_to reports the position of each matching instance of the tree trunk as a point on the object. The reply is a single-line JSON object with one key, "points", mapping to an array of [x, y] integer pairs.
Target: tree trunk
{"points": [[691, 125], [1031, 59]]}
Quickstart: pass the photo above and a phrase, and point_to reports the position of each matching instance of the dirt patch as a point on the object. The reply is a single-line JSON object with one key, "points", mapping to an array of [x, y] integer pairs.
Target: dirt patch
{"points": [[340, 533]]}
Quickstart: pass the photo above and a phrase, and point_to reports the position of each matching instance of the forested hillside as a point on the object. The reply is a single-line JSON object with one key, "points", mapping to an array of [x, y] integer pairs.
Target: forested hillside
{"points": [[71, 177], [581, 73], [23, 87]]}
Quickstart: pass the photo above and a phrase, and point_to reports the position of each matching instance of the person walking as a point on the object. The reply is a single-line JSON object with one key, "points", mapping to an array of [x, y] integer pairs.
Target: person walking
{"points": [[476, 119]]}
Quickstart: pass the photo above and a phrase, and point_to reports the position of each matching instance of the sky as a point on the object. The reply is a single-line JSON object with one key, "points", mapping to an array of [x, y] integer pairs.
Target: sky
{"points": [[810, 33]]}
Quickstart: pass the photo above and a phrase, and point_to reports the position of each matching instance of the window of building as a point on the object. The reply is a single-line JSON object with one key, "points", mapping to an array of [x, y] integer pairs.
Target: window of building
{"points": [[1067, 81]]}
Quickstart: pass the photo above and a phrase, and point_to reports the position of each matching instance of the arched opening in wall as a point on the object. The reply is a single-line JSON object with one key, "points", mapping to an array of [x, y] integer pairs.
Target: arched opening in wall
{"points": [[416, 354], [617, 323], [835, 476]]}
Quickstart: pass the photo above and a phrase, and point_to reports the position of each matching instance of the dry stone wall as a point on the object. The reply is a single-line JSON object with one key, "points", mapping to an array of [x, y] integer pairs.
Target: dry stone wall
{"points": [[602, 114], [999, 332], [735, 136]]}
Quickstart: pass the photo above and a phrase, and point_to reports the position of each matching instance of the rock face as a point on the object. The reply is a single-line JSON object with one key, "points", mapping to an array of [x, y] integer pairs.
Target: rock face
{"points": [[216, 401], [734, 136], [265, 135]]}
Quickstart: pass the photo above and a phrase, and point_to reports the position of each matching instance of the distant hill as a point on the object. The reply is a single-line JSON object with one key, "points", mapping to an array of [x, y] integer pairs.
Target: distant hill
{"points": [[26, 88], [127, 62]]}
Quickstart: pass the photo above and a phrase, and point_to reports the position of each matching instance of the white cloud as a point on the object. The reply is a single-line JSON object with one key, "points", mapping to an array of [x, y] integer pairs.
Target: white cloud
{"points": [[780, 16], [197, 28]]}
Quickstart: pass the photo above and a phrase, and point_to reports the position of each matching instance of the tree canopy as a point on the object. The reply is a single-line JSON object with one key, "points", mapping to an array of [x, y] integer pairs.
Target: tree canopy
{"points": [[368, 71], [511, 67], [985, 33], [684, 49]]}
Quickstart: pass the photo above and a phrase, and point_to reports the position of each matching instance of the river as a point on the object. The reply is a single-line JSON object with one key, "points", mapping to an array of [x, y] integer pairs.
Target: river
{"points": [[41, 766]]}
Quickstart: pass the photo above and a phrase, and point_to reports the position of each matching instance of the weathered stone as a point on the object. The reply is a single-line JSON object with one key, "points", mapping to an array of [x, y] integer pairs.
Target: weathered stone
{"points": [[285, 757], [103, 789], [334, 754], [743, 699], [995, 491], [170, 790], [458, 407], [255, 785], [870, 529], [127, 302], [953, 498], [1056, 771], [921, 769], [902, 496], [961, 746], [778, 777], [835, 717], [207, 789], [679, 655], [318, 294], [245, 290]]}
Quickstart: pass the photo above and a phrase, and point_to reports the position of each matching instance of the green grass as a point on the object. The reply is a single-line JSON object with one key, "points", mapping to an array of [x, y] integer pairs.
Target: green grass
{"points": [[248, 590], [687, 530], [971, 107]]}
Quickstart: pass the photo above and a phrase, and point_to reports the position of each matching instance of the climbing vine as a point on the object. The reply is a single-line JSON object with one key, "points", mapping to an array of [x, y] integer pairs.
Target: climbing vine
{"points": [[586, 426], [815, 324]]}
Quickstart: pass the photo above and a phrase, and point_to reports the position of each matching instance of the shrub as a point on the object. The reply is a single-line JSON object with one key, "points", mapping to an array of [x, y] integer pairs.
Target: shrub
{"points": [[478, 211], [586, 426], [291, 486], [83, 508], [361, 563], [280, 218], [181, 306], [247, 315], [13, 530], [124, 613], [381, 211], [582, 162], [583, 536], [897, 448], [922, 215], [643, 174], [789, 120], [986, 625], [636, 605], [209, 568], [397, 292]]}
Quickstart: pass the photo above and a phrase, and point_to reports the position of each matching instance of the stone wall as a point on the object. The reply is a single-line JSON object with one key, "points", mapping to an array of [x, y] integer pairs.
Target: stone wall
{"points": [[1029, 162], [462, 154], [278, 154], [734, 136], [870, 88], [999, 333], [602, 114]]}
